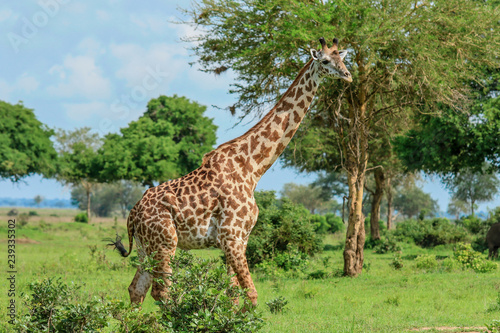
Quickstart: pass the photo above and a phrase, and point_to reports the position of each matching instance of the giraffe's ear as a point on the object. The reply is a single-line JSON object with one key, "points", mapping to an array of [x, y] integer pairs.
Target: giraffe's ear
{"points": [[314, 54], [342, 54]]}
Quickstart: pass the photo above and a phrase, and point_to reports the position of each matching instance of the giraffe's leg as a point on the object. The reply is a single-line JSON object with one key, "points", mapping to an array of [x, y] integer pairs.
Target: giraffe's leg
{"points": [[235, 256], [139, 286], [160, 283], [234, 280]]}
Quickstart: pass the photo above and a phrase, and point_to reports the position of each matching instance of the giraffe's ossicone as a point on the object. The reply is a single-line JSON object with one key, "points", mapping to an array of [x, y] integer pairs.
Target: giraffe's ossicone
{"points": [[214, 206]]}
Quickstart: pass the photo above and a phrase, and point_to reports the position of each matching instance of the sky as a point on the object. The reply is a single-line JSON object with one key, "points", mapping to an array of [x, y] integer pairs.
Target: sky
{"points": [[98, 63]]}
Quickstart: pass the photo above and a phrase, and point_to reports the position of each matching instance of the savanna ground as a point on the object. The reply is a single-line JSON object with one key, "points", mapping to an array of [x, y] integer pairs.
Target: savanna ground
{"points": [[382, 299]]}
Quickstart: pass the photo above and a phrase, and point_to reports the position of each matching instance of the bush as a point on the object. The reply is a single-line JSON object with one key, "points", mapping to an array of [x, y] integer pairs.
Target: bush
{"points": [[82, 217], [200, 299], [53, 306], [12, 212], [281, 226], [430, 233], [426, 261], [23, 219], [470, 259], [335, 223], [320, 225], [33, 213], [386, 245], [277, 305], [397, 261]]}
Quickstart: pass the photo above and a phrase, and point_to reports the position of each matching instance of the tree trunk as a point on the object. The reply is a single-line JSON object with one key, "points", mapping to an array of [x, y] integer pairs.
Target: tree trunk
{"points": [[376, 200], [388, 192], [355, 236], [88, 202], [472, 207]]}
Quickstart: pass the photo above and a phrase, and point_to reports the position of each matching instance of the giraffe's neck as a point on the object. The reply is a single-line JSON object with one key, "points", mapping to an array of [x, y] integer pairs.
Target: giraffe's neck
{"points": [[264, 143]]}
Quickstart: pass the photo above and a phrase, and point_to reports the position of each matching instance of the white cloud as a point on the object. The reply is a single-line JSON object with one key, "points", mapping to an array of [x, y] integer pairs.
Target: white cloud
{"points": [[138, 61], [79, 76], [24, 84], [27, 83], [153, 23], [84, 111]]}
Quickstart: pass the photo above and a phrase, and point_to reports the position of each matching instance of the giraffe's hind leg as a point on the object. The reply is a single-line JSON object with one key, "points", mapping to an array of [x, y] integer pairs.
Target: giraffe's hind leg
{"points": [[139, 286], [236, 258], [162, 269]]}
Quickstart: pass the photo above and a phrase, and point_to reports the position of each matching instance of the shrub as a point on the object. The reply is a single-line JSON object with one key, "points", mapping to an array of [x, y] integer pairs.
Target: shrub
{"points": [[82, 217], [53, 306], [397, 261], [431, 232], [12, 212], [23, 219], [281, 225], [200, 298], [470, 259], [277, 305], [386, 245], [320, 225], [494, 326], [426, 261], [33, 213], [335, 223]]}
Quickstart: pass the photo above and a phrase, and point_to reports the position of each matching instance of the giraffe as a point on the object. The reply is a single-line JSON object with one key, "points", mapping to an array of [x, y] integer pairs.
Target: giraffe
{"points": [[214, 205]]}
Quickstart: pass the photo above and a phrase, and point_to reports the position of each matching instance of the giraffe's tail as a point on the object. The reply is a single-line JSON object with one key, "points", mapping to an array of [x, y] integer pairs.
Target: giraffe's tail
{"points": [[117, 243]]}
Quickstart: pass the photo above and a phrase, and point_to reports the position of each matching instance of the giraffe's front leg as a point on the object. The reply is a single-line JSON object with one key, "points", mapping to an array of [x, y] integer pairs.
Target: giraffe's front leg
{"points": [[236, 259]]}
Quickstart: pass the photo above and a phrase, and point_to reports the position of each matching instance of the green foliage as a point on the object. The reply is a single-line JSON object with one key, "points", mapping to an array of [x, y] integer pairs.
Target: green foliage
{"points": [[292, 259], [281, 226], [397, 261], [311, 197], [168, 141], [108, 197], [335, 222], [54, 306], [414, 200], [386, 245], [473, 186], [430, 233], [12, 212], [493, 326], [33, 213], [470, 259], [277, 305], [328, 223], [25, 145], [496, 305], [82, 217], [200, 299], [23, 219], [426, 262], [78, 158]]}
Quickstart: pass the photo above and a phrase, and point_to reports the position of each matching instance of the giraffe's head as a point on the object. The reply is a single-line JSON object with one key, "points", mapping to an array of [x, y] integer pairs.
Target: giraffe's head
{"points": [[331, 60]]}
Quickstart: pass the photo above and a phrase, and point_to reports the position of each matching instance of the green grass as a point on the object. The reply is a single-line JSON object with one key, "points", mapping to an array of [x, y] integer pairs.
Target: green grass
{"points": [[380, 300]]}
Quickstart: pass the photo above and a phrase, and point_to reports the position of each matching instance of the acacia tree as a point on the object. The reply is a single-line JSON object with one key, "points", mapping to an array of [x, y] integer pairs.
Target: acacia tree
{"points": [[78, 163], [168, 141], [405, 56], [25, 145], [473, 186]]}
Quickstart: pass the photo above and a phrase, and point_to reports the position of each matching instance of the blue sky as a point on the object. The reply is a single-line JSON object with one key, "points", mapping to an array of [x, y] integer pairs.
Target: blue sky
{"points": [[98, 63]]}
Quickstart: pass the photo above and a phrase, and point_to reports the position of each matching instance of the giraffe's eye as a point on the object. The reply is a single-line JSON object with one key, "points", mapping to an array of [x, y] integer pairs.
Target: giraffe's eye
{"points": [[326, 62]]}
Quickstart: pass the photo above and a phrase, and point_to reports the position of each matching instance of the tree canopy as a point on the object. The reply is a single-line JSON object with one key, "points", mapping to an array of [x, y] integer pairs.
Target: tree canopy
{"points": [[25, 145], [473, 186], [167, 141], [405, 57]]}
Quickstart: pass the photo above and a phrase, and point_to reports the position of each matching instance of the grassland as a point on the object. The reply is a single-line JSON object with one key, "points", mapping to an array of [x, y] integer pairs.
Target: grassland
{"points": [[382, 299]]}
